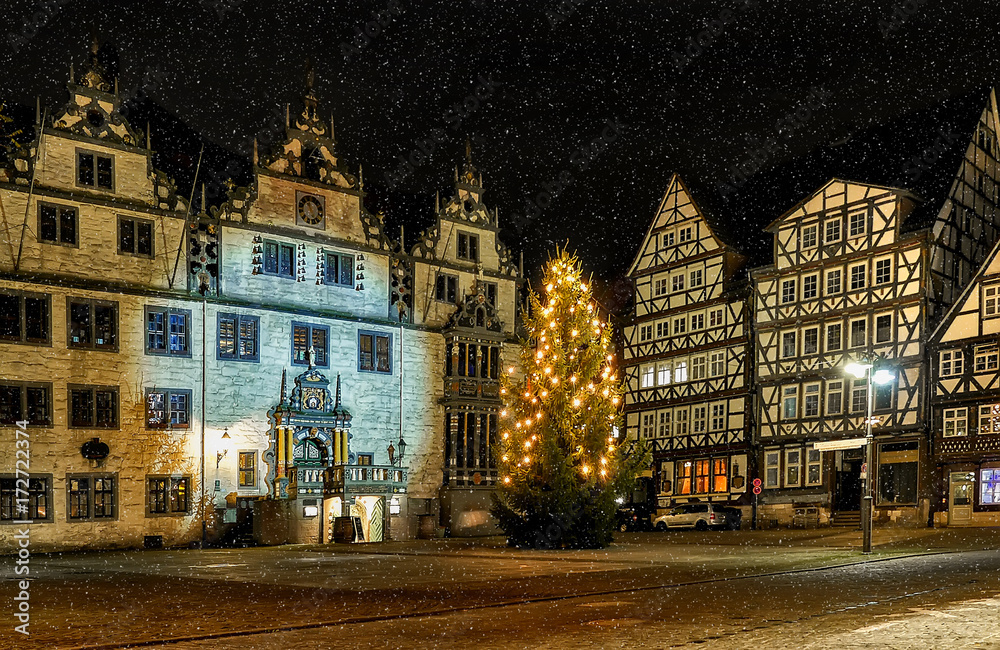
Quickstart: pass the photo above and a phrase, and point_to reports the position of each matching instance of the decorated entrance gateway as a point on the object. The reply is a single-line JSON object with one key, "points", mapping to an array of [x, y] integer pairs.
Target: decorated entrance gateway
{"points": [[316, 484]]}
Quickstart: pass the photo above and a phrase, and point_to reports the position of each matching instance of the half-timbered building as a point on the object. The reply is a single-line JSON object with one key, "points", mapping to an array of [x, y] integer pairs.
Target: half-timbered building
{"points": [[687, 367], [965, 421], [862, 269]]}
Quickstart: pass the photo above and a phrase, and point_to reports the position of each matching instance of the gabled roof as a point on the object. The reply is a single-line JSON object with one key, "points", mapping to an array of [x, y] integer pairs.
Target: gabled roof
{"points": [[963, 297], [885, 155], [715, 225]]}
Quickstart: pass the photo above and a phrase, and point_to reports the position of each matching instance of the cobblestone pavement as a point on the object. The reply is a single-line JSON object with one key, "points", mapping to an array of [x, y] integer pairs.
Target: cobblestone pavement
{"points": [[652, 590]]}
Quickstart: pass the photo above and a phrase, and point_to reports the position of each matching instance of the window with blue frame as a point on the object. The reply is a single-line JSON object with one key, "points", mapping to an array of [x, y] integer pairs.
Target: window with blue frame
{"points": [[239, 337], [279, 259], [374, 352], [305, 336], [339, 269], [168, 408], [168, 331]]}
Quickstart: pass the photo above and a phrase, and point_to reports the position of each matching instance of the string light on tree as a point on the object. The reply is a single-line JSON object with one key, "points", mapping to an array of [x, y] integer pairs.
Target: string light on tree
{"points": [[567, 466]]}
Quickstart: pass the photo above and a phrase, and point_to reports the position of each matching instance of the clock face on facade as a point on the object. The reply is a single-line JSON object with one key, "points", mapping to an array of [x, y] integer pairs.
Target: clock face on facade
{"points": [[310, 210]]}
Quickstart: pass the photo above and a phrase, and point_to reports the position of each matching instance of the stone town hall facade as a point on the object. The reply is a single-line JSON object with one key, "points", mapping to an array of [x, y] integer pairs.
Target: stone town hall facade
{"points": [[182, 367]]}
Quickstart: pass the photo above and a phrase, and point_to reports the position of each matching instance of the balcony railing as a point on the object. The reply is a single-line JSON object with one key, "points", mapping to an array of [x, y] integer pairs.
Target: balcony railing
{"points": [[360, 479]]}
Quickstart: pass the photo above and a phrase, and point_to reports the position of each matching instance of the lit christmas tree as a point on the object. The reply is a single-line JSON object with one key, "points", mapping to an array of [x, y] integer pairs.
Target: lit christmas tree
{"points": [[561, 464]]}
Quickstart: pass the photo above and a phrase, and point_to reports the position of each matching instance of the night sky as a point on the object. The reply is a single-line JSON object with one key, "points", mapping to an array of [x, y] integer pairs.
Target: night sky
{"points": [[559, 74]]}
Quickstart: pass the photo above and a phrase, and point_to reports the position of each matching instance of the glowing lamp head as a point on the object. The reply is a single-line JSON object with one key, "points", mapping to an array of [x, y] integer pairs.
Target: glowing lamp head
{"points": [[883, 377], [857, 369]]}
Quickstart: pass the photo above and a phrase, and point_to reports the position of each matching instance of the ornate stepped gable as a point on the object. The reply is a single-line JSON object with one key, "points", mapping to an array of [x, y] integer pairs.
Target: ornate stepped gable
{"points": [[93, 110], [465, 205]]}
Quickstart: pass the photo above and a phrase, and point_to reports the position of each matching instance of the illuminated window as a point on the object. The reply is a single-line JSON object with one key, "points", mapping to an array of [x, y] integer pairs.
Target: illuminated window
{"points": [[955, 422], [315, 337], [374, 352], [167, 495], [989, 486], [168, 408], [991, 301], [989, 419], [720, 475], [91, 496], [238, 337], [38, 493], [681, 371], [951, 363], [986, 358], [248, 469], [662, 373], [702, 475], [646, 380], [685, 472]]}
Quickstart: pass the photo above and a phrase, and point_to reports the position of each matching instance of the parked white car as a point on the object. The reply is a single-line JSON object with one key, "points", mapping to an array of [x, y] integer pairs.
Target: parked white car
{"points": [[701, 516]]}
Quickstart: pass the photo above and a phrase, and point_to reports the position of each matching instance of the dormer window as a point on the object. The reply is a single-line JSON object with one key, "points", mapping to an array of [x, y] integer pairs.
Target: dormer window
{"points": [[95, 170], [468, 247]]}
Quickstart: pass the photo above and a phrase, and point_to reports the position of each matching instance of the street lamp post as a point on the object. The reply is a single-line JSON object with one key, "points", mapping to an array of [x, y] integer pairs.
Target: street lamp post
{"points": [[881, 376]]}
